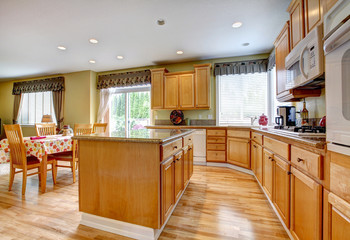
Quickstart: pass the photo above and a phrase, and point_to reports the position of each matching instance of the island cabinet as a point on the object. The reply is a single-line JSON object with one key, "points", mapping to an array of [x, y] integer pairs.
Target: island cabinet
{"points": [[168, 187], [238, 148], [179, 175]]}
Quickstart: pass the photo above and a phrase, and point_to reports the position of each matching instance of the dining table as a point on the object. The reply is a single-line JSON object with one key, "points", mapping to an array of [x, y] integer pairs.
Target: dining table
{"points": [[40, 148]]}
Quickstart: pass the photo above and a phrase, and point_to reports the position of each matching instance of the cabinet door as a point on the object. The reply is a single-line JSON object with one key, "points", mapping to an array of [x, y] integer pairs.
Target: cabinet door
{"points": [[259, 163], [186, 166], [306, 207], [328, 4], [186, 91], [282, 188], [253, 152], [313, 14], [157, 79], [171, 92], [282, 49], [168, 187], [202, 86], [179, 171], [296, 22], [190, 159], [238, 151], [268, 173], [338, 218]]}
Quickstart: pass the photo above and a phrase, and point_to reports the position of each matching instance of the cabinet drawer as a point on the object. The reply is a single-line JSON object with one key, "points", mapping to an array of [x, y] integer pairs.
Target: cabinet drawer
{"points": [[257, 137], [216, 139], [308, 161], [218, 156], [188, 140], [278, 147], [216, 132], [220, 147], [170, 148], [238, 133]]}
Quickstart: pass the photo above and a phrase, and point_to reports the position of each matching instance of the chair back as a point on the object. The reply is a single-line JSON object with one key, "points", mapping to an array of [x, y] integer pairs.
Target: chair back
{"points": [[82, 129], [100, 127], [17, 149], [44, 129]]}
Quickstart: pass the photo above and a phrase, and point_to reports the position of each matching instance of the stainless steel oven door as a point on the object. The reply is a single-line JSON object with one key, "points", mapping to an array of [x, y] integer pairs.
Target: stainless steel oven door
{"points": [[337, 51]]}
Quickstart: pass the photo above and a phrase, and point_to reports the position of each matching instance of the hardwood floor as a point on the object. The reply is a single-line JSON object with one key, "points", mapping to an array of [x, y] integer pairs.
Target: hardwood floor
{"points": [[219, 203]]}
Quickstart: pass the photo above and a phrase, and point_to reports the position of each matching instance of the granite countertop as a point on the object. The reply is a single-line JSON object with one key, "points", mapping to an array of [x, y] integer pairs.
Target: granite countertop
{"points": [[141, 135], [194, 127]]}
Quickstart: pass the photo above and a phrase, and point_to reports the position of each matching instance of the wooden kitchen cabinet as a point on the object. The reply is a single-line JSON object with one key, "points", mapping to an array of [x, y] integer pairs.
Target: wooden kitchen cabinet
{"points": [[202, 86], [296, 13], [306, 207], [282, 49], [179, 172], [157, 93], [190, 160], [268, 173], [313, 14], [282, 188], [168, 187], [186, 163], [186, 91], [216, 145], [328, 4], [171, 99], [238, 152], [257, 161]]}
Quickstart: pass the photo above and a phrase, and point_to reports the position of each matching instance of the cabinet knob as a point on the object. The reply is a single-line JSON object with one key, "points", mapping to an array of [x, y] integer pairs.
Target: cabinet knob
{"points": [[289, 173], [300, 160], [190, 139], [175, 147], [254, 137]]}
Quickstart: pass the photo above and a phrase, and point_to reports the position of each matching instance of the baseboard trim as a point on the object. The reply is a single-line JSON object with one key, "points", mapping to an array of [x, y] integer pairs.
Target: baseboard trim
{"points": [[123, 228], [228, 165], [275, 210], [200, 163]]}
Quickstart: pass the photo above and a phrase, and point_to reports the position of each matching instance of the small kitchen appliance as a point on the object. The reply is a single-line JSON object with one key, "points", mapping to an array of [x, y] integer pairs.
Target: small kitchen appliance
{"points": [[286, 116]]}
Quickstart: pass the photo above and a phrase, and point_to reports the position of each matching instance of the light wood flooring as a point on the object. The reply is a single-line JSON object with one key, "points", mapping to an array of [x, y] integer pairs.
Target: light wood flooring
{"points": [[219, 203]]}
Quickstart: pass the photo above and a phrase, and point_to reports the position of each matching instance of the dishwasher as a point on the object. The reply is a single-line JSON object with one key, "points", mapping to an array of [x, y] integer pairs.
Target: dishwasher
{"points": [[199, 147]]}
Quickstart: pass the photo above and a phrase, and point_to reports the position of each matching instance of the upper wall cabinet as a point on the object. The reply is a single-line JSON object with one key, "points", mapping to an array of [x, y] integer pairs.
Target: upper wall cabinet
{"points": [[157, 93], [202, 85], [296, 12], [313, 14], [328, 4], [181, 90]]}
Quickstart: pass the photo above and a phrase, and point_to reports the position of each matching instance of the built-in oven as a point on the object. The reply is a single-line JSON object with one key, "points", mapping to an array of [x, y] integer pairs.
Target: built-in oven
{"points": [[337, 61]]}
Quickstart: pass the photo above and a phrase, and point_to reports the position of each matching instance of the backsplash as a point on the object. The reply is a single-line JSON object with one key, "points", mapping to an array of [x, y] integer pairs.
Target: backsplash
{"points": [[193, 122], [316, 106]]}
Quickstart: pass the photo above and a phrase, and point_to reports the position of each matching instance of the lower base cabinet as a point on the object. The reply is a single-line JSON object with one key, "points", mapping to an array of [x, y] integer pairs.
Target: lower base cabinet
{"points": [[179, 171], [306, 207], [238, 152], [268, 173], [168, 187], [190, 161], [257, 161], [186, 163]]}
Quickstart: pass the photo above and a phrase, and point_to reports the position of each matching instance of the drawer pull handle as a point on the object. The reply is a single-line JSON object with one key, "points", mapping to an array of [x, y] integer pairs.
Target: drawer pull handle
{"points": [[270, 157], [254, 136], [175, 147], [190, 139], [289, 173], [300, 160]]}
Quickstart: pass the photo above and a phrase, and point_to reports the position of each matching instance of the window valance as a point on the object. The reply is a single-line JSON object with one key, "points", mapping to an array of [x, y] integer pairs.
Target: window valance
{"points": [[43, 85], [272, 60], [240, 67], [127, 79]]}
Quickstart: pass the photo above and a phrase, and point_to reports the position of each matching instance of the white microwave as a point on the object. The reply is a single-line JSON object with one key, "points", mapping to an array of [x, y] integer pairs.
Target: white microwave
{"points": [[306, 61]]}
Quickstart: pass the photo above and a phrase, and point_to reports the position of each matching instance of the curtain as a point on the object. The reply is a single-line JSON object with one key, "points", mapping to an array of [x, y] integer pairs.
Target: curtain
{"points": [[16, 107], [57, 97], [272, 60], [105, 97], [126, 79], [42, 85], [255, 66]]}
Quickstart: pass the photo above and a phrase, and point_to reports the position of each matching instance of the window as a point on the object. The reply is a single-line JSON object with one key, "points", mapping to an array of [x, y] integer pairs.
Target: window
{"points": [[130, 109], [34, 106], [240, 97]]}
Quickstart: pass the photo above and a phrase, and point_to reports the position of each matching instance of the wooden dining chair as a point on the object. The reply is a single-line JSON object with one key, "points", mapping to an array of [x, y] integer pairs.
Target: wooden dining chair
{"points": [[99, 127], [19, 159], [44, 129], [72, 156]]}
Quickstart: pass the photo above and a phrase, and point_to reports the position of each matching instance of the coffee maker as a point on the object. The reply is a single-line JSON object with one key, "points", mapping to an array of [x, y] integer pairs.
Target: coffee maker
{"points": [[286, 116]]}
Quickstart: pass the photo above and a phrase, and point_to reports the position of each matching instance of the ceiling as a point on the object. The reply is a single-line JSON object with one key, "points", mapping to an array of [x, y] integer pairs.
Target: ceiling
{"points": [[202, 29]]}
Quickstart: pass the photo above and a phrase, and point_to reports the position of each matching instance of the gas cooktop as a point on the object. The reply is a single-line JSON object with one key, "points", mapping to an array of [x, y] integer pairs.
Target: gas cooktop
{"points": [[304, 131]]}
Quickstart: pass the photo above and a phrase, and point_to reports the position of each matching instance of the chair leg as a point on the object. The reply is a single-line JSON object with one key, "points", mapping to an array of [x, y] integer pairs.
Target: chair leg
{"points": [[39, 175], [12, 177], [54, 171], [71, 165], [73, 170], [24, 182]]}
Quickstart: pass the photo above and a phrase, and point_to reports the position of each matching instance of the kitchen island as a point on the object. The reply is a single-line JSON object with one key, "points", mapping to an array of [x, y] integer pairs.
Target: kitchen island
{"points": [[129, 185]]}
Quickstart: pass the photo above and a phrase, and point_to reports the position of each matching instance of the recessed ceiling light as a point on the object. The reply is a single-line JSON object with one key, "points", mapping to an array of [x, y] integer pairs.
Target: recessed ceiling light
{"points": [[92, 61], [245, 44], [179, 52], [160, 22], [61, 48], [93, 40], [237, 24], [120, 57]]}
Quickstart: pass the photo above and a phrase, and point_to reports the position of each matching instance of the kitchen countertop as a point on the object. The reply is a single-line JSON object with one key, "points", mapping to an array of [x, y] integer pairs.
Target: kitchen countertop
{"points": [[141, 135], [316, 142]]}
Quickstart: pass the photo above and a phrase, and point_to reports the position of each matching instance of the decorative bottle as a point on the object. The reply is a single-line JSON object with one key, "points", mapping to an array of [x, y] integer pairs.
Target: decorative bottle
{"points": [[304, 115]]}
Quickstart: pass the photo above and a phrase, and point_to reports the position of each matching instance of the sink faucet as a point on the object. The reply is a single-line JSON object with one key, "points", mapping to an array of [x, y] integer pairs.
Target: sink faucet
{"points": [[252, 120]]}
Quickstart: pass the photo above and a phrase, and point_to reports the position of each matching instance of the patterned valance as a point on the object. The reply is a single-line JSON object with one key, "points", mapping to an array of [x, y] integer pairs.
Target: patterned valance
{"points": [[272, 60], [126, 79], [240, 67], [42, 85]]}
